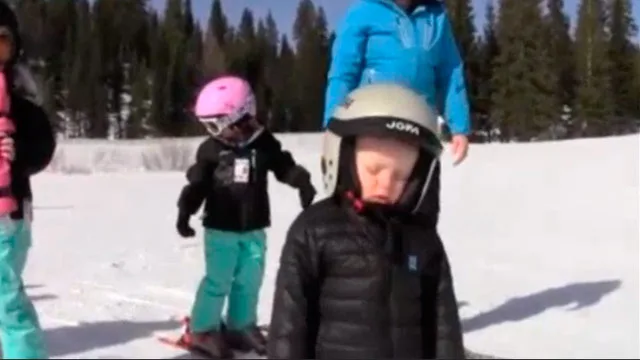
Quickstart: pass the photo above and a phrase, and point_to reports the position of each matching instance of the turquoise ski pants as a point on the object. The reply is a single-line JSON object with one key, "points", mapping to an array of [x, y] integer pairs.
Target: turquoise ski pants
{"points": [[20, 333], [234, 264]]}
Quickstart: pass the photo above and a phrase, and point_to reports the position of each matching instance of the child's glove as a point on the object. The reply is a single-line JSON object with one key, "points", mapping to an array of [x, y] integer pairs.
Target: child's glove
{"points": [[307, 193], [299, 178], [184, 229]]}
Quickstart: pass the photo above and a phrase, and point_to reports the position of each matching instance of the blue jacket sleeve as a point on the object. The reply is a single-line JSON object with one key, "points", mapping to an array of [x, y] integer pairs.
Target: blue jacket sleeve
{"points": [[451, 83], [347, 58]]}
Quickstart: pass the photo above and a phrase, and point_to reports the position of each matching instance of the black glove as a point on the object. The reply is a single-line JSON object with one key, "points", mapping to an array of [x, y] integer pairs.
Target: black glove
{"points": [[307, 193], [184, 229]]}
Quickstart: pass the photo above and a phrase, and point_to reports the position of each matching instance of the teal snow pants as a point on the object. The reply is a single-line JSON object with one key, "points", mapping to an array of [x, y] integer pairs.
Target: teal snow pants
{"points": [[20, 333], [234, 263]]}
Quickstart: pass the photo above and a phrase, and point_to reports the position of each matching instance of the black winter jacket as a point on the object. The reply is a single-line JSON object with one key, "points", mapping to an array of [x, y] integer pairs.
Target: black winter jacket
{"points": [[34, 145], [233, 182], [34, 140], [357, 286]]}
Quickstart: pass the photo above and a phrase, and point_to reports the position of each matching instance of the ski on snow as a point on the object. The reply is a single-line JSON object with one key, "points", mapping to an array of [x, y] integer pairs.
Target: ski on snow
{"points": [[177, 341]]}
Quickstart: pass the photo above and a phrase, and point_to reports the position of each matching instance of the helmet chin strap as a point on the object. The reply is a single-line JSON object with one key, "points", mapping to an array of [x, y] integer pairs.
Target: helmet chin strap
{"points": [[425, 186], [417, 188], [254, 136]]}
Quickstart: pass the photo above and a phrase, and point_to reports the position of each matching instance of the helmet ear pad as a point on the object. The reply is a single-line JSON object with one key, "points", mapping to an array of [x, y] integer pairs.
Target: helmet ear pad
{"points": [[347, 172]]}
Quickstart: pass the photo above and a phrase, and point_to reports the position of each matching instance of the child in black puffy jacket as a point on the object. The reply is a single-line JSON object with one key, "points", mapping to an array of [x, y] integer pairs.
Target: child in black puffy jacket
{"points": [[363, 274]]}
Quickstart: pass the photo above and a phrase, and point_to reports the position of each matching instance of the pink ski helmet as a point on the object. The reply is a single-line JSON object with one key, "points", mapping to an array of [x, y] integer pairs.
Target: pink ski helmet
{"points": [[224, 102]]}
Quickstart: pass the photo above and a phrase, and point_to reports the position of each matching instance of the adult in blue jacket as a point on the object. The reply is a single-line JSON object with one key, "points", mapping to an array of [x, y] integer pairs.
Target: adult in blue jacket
{"points": [[402, 41]]}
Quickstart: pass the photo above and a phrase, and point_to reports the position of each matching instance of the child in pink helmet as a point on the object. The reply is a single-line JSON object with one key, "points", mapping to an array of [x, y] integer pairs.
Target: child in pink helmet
{"points": [[230, 177]]}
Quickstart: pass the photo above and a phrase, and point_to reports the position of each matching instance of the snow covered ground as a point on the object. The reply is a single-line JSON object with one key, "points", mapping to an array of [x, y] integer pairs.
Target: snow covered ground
{"points": [[543, 240]]}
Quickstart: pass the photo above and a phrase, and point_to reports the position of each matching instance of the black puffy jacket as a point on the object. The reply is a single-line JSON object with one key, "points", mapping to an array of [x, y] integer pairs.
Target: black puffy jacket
{"points": [[362, 286], [34, 145], [233, 203]]}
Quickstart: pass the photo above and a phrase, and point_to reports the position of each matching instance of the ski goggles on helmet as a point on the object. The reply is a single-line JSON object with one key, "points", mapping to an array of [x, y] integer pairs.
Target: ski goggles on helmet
{"points": [[217, 124]]}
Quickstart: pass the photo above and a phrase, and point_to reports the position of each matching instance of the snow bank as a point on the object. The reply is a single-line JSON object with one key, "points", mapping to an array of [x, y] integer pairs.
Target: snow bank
{"points": [[167, 154], [176, 154]]}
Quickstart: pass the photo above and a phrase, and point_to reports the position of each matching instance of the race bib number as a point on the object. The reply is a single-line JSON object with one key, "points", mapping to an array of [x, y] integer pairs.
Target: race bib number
{"points": [[241, 171]]}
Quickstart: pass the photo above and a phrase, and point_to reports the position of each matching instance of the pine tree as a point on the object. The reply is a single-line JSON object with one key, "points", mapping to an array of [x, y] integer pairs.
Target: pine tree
{"points": [[140, 32], [284, 99], [272, 36], [461, 16], [269, 41], [108, 42], [174, 119], [251, 51], [191, 73], [560, 47], [152, 33], [593, 107], [311, 36], [98, 113], [160, 84], [523, 100], [70, 60], [121, 25], [214, 58], [487, 53], [623, 31], [97, 120], [61, 16], [58, 49], [78, 91], [32, 18], [139, 105], [323, 43], [262, 87], [244, 58], [218, 23]]}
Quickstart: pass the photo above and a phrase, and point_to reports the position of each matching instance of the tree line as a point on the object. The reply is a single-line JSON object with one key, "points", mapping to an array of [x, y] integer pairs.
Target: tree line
{"points": [[119, 69]]}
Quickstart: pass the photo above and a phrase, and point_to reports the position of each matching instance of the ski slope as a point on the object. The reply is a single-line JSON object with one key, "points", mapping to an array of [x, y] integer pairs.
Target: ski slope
{"points": [[543, 240]]}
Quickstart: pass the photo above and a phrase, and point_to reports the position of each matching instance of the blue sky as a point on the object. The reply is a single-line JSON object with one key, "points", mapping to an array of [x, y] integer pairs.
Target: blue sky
{"points": [[284, 10]]}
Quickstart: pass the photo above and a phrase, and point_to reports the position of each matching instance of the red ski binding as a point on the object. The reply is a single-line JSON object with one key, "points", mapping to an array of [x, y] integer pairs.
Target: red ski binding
{"points": [[183, 342]]}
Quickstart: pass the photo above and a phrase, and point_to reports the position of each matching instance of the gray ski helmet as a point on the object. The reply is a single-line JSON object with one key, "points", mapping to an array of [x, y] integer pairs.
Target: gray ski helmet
{"points": [[379, 110]]}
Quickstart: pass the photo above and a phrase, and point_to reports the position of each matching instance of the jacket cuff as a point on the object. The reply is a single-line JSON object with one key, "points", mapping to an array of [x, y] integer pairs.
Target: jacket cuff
{"points": [[298, 177]]}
